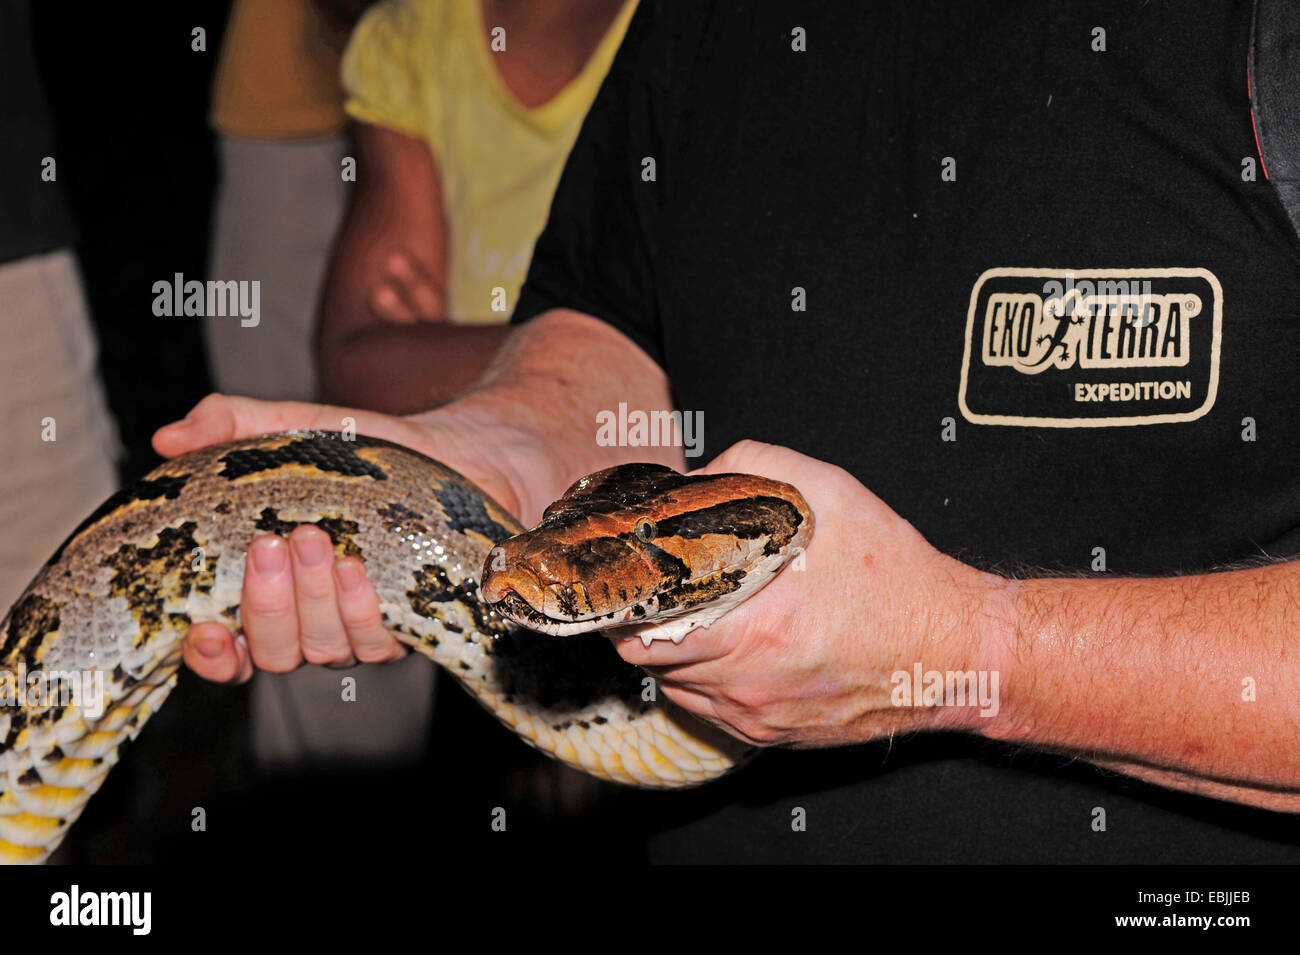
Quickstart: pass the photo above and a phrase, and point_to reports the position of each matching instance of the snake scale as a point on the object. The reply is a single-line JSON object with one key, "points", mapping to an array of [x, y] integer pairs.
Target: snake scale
{"points": [[93, 646]]}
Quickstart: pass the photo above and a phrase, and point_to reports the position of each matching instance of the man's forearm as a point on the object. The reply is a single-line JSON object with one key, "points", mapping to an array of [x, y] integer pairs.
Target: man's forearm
{"points": [[1189, 682], [548, 382]]}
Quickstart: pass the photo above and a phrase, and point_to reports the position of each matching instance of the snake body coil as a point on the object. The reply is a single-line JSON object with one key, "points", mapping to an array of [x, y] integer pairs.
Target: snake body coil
{"points": [[93, 646]]}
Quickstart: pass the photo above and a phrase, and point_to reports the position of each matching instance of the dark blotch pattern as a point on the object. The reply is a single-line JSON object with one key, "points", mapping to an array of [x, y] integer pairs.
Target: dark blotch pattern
{"points": [[325, 451], [464, 511], [433, 586], [616, 489], [24, 629], [400, 519], [747, 518], [341, 531], [701, 591], [140, 573], [26, 626]]}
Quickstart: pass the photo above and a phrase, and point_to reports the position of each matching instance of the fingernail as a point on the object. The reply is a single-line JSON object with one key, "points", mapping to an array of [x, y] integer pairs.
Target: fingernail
{"points": [[210, 647], [312, 549], [350, 575], [269, 557]]}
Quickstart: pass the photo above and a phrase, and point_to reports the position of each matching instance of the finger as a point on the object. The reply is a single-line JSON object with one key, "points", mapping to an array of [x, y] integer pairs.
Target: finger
{"points": [[215, 654], [362, 620], [388, 302], [319, 624], [210, 421], [418, 286], [698, 646], [219, 418], [268, 609]]}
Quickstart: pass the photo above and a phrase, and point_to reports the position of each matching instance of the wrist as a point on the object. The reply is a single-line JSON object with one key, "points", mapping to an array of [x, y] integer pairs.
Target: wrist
{"points": [[978, 621], [997, 632], [485, 436], [961, 665]]}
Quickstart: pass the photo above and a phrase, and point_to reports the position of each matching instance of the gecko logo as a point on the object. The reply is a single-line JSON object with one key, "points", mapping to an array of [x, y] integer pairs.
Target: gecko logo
{"points": [[1060, 348]]}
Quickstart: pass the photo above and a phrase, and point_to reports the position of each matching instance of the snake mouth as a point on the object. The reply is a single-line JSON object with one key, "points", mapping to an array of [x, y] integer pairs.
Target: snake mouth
{"points": [[516, 608], [520, 610]]}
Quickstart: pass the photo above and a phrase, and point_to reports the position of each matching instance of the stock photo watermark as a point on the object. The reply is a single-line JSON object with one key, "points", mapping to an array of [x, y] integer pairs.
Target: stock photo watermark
{"points": [[651, 429], [47, 688], [240, 299], [921, 687]]}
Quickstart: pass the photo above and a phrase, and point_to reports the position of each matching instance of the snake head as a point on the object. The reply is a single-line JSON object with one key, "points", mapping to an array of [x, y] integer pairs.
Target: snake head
{"points": [[641, 545]]}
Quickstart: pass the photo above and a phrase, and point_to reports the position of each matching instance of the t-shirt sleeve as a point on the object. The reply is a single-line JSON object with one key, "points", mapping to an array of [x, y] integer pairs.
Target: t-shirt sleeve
{"points": [[596, 254], [381, 69]]}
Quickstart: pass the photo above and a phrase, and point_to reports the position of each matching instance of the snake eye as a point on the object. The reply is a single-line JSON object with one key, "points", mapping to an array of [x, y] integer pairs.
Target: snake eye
{"points": [[646, 530]]}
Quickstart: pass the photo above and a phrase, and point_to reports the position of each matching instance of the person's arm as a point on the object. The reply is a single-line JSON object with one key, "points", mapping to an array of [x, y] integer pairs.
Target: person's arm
{"points": [[384, 339], [1191, 683], [523, 434]]}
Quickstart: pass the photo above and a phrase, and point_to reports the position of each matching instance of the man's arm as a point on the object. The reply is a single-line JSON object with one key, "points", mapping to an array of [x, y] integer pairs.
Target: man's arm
{"points": [[384, 338], [551, 378], [1192, 683]]}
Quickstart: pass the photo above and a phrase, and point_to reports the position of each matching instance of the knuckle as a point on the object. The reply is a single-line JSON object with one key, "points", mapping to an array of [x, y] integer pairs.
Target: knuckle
{"points": [[360, 614], [274, 660], [748, 450], [321, 653], [267, 606], [314, 588], [214, 399], [376, 651]]}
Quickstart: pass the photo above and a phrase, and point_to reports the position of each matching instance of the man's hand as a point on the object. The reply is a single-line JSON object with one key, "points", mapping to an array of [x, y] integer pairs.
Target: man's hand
{"points": [[808, 661]]}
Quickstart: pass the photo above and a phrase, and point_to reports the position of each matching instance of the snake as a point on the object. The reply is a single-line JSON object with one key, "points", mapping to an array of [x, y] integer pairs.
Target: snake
{"points": [[522, 619]]}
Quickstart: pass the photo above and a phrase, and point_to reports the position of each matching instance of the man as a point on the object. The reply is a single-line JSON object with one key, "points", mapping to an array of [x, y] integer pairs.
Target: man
{"points": [[990, 280]]}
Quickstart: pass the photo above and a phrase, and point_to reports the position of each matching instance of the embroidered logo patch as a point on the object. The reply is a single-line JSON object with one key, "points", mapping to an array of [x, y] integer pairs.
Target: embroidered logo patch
{"points": [[1091, 348]]}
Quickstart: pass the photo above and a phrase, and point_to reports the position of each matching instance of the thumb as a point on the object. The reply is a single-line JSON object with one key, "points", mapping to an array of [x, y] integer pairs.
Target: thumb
{"points": [[744, 457], [220, 418]]}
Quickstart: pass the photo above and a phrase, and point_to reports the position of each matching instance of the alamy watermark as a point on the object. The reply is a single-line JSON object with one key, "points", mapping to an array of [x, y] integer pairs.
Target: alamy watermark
{"points": [[651, 429], [216, 299], [922, 687], [46, 688]]}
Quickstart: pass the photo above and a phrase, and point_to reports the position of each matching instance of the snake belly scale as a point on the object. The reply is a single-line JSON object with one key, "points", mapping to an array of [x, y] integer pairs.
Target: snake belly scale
{"points": [[639, 546]]}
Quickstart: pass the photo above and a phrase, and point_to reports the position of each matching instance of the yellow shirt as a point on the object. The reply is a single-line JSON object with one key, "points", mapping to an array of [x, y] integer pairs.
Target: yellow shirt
{"points": [[424, 67], [277, 75]]}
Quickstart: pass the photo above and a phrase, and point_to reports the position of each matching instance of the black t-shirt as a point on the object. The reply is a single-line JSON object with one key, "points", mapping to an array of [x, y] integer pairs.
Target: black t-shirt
{"points": [[1024, 226], [33, 215]]}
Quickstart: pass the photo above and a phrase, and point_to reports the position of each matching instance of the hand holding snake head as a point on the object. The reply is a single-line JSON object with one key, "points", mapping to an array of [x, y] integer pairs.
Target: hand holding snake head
{"points": [[812, 660], [645, 549]]}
